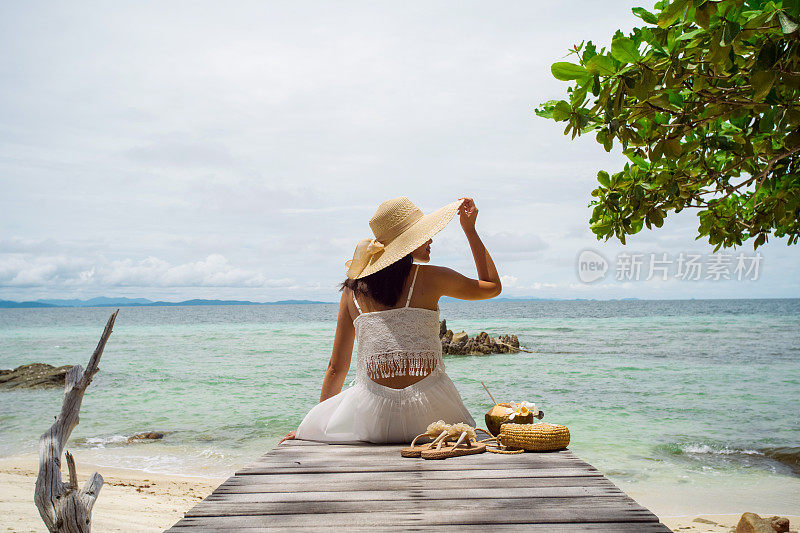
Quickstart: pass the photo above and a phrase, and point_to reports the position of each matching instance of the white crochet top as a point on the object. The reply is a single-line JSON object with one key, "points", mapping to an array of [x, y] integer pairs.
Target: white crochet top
{"points": [[398, 342]]}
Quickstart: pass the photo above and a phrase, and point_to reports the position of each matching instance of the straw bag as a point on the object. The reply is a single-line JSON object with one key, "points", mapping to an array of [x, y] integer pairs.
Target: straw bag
{"points": [[541, 437]]}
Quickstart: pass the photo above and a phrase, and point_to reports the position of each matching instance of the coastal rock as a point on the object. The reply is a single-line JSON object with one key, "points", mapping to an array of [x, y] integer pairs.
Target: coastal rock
{"points": [[34, 375], [461, 344], [701, 520], [752, 523], [460, 338], [779, 523], [152, 435], [788, 455]]}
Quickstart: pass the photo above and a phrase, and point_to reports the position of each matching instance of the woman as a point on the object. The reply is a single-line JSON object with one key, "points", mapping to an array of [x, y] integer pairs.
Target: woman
{"points": [[400, 385]]}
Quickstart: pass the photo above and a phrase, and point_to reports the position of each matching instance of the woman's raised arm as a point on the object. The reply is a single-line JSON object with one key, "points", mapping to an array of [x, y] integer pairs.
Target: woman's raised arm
{"points": [[451, 283]]}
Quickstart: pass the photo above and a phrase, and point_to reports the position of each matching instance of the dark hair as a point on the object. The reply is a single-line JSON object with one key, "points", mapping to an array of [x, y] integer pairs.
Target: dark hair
{"points": [[383, 286]]}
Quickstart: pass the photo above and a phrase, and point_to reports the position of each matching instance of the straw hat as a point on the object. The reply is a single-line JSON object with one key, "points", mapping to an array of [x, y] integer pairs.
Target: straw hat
{"points": [[400, 227]]}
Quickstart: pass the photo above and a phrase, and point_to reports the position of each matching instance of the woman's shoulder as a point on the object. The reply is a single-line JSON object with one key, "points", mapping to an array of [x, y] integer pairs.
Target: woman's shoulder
{"points": [[436, 271]]}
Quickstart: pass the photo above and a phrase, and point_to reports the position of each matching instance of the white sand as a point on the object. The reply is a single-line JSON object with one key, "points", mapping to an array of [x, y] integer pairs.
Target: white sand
{"points": [[130, 500]]}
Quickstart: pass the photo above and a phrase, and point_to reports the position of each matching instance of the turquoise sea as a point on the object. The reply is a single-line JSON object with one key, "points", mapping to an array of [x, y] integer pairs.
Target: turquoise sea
{"points": [[702, 393]]}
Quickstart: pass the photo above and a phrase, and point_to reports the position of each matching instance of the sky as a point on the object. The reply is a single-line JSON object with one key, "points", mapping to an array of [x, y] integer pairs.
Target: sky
{"points": [[237, 150]]}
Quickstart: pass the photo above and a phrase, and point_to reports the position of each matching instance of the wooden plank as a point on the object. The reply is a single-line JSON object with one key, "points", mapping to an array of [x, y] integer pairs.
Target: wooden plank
{"points": [[418, 504], [415, 493], [360, 457], [445, 473], [321, 477], [607, 527], [427, 518], [343, 451], [247, 484], [463, 462]]}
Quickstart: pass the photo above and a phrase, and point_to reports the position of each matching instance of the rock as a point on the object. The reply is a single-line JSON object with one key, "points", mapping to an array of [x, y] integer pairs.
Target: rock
{"points": [[34, 375], [460, 338], [461, 344], [704, 521], [752, 523], [779, 523], [152, 435]]}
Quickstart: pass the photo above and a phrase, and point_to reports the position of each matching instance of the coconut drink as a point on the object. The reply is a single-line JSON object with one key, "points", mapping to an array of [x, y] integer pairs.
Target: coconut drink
{"points": [[516, 412]]}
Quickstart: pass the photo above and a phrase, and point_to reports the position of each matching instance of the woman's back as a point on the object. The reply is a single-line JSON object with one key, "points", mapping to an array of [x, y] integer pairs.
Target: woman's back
{"points": [[400, 346]]}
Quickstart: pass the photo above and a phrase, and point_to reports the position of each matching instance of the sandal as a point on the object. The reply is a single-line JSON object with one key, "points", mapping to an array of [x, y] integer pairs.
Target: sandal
{"points": [[437, 431], [465, 445]]}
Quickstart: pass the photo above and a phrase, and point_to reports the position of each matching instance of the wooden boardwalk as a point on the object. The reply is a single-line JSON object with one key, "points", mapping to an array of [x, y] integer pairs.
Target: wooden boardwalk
{"points": [[310, 486]]}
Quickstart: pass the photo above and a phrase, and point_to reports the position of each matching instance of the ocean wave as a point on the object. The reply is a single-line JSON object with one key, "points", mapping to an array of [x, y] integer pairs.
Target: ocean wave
{"points": [[784, 460], [108, 440], [101, 442]]}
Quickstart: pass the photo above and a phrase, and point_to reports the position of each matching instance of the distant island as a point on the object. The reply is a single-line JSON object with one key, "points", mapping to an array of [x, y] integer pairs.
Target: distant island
{"points": [[141, 302], [144, 302]]}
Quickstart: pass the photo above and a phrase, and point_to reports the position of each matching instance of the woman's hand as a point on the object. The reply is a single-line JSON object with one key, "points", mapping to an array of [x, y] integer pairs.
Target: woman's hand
{"points": [[289, 436], [469, 213]]}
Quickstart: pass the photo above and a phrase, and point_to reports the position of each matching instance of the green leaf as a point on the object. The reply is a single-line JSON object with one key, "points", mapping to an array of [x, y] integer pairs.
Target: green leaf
{"points": [[601, 64], [624, 50], [762, 82], [645, 15], [561, 111], [767, 55], [691, 34], [568, 71], [604, 179], [671, 13], [787, 25], [640, 161], [703, 14], [672, 148], [729, 32]]}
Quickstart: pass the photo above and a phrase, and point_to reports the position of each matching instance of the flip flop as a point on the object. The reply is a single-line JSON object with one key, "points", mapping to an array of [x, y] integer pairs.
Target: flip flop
{"points": [[465, 445], [437, 431]]}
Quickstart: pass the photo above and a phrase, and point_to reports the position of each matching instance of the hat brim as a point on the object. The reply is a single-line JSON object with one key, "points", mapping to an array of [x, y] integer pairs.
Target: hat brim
{"points": [[412, 238]]}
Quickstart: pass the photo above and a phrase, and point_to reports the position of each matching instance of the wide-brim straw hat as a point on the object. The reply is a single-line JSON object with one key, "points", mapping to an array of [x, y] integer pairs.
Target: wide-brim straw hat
{"points": [[400, 227]]}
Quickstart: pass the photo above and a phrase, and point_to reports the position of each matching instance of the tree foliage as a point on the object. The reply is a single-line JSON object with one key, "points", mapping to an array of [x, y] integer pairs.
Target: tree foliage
{"points": [[704, 101]]}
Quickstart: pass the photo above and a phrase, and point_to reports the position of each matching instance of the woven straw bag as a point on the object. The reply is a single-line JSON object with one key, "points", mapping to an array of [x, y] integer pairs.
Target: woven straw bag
{"points": [[541, 437]]}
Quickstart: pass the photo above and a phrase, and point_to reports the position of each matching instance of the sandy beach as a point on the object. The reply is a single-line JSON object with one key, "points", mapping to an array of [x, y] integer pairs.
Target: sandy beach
{"points": [[138, 501], [130, 500]]}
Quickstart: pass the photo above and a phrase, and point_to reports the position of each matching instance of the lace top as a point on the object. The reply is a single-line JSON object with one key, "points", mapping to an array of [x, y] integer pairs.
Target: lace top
{"points": [[398, 342]]}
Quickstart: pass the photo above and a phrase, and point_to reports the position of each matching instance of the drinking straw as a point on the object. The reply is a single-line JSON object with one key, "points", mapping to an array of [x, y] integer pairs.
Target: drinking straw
{"points": [[489, 393]]}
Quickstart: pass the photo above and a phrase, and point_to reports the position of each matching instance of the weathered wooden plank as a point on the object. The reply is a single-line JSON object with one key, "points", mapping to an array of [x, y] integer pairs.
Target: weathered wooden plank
{"points": [[428, 518], [463, 461], [394, 462], [421, 493], [360, 456], [343, 451], [314, 477], [480, 458], [249, 484], [589, 504], [608, 527]]}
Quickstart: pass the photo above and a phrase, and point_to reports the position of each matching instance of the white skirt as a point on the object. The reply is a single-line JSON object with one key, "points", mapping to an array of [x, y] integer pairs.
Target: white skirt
{"points": [[370, 412]]}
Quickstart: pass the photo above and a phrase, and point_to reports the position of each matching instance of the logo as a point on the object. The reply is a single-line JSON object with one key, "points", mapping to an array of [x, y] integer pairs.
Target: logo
{"points": [[591, 266]]}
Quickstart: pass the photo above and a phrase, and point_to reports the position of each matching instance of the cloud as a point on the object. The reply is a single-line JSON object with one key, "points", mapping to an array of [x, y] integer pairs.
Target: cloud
{"points": [[19, 270], [182, 154]]}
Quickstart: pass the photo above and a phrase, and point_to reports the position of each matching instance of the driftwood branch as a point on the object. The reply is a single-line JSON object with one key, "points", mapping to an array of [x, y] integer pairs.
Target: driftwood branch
{"points": [[519, 348], [63, 507]]}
